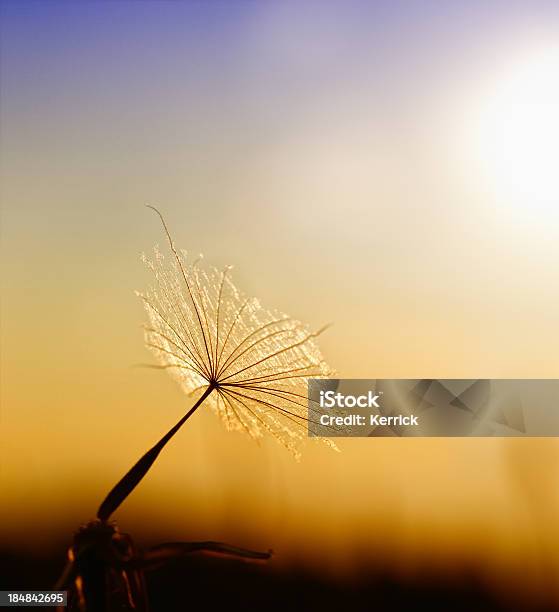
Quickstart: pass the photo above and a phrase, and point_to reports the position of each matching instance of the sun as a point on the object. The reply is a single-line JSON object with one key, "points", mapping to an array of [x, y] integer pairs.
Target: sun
{"points": [[517, 137]]}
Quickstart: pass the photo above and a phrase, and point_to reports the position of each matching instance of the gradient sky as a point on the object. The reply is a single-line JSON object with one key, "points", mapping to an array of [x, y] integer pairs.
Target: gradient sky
{"points": [[323, 149]]}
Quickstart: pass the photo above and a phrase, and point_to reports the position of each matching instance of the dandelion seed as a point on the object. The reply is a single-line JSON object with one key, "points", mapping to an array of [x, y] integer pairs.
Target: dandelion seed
{"points": [[205, 331], [248, 363]]}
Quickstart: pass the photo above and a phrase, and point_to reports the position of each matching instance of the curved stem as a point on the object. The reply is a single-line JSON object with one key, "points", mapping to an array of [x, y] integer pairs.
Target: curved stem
{"points": [[132, 478]]}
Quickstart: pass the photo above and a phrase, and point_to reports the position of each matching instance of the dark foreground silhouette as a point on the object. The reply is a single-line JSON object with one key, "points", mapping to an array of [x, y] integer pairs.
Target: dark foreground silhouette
{"points": [[219, 583]]}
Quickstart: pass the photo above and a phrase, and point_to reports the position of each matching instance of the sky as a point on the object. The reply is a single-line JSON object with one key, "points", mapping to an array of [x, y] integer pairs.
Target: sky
{"points": [[365, 164]]}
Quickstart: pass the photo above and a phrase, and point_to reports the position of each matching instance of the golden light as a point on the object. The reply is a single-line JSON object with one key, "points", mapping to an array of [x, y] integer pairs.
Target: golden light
{"points": [[516, 137]]}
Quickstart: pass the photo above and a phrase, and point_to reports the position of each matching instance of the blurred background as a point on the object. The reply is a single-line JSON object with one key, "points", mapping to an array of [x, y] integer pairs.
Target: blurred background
{"points": [[389, 167]]}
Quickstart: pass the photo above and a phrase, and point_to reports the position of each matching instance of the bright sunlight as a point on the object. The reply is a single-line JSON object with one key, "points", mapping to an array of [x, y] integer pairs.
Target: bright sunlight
{"points": [[517, 137]]}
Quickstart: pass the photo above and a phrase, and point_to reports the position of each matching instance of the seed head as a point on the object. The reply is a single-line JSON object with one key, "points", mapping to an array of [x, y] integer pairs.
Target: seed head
{"points": [[208, 333]]}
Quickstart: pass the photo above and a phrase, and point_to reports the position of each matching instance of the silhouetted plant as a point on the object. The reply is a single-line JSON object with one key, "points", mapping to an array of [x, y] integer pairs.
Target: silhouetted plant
{"points": [[248, 363]]}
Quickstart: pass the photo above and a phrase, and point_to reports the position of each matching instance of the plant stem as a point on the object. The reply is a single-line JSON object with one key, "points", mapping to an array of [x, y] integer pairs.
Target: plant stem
{"points": [[131, 479]]}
